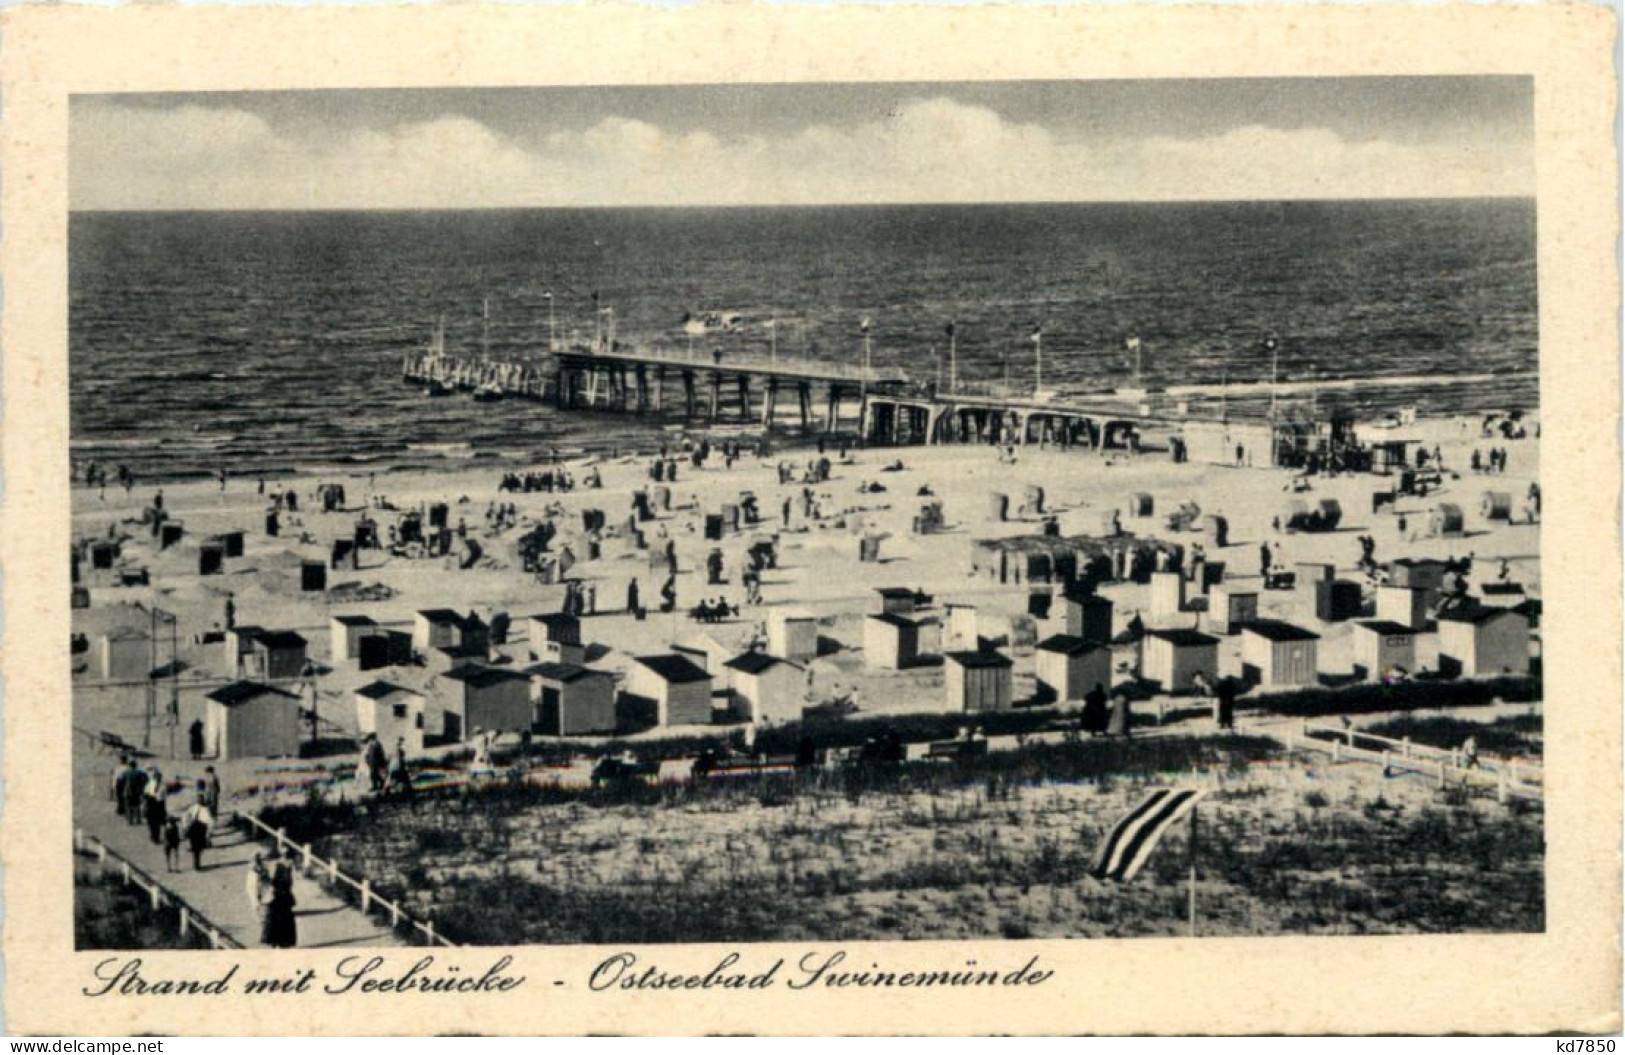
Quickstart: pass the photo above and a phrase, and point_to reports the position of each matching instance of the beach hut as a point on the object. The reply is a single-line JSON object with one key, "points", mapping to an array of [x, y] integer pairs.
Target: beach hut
{"points": [[1088, 616], [1405, 605], [1139, 504], [678, 692], [896, 600], [1483, 642], [891, 642], [706, 652], [1276, 653], [480, 697], [792, 634], [1173, 658], [246, 719], [232, 541], [383, 648], [104, 554], [170, 533], [1229, 606], [211, 558], [572, 700], [1167, 594], [345, 633], [960, 628], [1423, 573], [766, 688], [1446, 521], [1069, 667], [278, 655], [312, 575], [978, 681], [436, 628], [125, 655], [1337, 600], [452, 657], [1382, 646], [556, 638], [1496, 505], [391, 713]]}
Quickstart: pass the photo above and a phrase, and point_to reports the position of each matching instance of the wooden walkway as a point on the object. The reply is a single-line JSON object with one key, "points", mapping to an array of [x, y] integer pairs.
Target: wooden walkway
{"points": [[219, 891]]}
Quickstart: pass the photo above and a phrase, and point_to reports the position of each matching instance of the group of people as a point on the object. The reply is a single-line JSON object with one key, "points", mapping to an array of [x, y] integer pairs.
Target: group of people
{"points": [[374, 769], [97, 474], [141, 796], [1492, 461], [1103, 716], [545, 480]]}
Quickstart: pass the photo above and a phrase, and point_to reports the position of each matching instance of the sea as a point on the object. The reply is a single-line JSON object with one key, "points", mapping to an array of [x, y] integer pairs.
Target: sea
{"points": [[272, 342]]}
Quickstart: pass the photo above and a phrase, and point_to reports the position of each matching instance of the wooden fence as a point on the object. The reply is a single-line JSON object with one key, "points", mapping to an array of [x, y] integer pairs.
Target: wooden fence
{"points": [[190, 918], [328, 871], [1508, 778]]}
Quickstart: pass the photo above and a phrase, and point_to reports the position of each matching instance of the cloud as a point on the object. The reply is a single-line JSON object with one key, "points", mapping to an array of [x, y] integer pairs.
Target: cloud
{"points": [[926, 150]]}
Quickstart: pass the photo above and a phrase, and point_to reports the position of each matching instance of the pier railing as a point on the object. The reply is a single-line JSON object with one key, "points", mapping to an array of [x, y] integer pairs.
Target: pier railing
{"points": [[191, 920], [328, 871]]}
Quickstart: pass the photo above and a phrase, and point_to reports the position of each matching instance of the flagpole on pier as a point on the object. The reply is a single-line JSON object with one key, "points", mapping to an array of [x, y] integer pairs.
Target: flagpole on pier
{"points": [[552, 330]]}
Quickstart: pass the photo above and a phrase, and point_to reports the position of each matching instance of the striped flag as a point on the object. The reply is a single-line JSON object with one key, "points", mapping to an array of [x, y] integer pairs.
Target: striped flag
{"points": [[1129, 845]]}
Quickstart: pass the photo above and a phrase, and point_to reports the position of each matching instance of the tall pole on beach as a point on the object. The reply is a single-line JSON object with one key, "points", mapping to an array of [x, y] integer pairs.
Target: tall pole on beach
{"points": [[552, 330], [867, 352], [773, 341], [1038, 359], [1275, 371], [1191, 907], [953, 358], [485, 327]]}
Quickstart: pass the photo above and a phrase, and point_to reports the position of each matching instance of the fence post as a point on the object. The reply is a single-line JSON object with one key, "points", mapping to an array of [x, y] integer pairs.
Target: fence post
{"points": [[280, 839], [394, 914], [157, 898], [1406, 746], [101, 853], [1386, 762], [124, 870], [366, 896], [1512, 775], [333, 872], [186, 920], [1337, 750], [428, 928], [307, 857], [1502, 792], [1441, 771]]}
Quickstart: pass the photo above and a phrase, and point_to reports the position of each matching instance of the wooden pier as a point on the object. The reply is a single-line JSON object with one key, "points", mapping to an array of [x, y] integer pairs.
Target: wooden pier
{"points": [[880, 405]]}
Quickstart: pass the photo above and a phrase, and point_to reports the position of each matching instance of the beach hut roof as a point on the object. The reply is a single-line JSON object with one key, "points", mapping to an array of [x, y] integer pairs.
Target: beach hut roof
{"points": [[1385, 627], [980, 659], [280, 639], [379, 690], [755, 662], [893, 619], [894, 591], [1068, 644], [355, 620], [564, 672], [1182, 636], [1477, 615], [552, 619], [240, 692], [674, 668], [1277, 630], [441, 615], [482, 677]]}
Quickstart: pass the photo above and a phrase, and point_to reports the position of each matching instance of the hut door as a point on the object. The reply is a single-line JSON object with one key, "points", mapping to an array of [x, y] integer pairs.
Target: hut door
{"points": [[551, 719], [454, 726]]}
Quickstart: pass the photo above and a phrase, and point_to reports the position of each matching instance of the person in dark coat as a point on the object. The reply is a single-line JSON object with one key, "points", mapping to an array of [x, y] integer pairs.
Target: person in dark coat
{"points": [[157, 813], [135, 795], [632, 599], [194, 736], [281, 930], [1227, 703], [1096, 713]]}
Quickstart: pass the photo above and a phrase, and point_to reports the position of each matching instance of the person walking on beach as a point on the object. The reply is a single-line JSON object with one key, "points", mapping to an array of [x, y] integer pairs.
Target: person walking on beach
{"points": [[632, 599], [1265, 560], [1227, 704], [194, 737], [1096, 714], [377, 765], [135, 797], [210, 785]]}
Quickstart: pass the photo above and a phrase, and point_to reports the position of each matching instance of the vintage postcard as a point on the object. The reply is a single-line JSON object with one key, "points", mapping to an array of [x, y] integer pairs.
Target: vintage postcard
{"points": [[769, 520]]}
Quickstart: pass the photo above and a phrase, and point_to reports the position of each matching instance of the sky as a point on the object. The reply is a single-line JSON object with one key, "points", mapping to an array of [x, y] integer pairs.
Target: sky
{"points": [[1164, 140]]}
